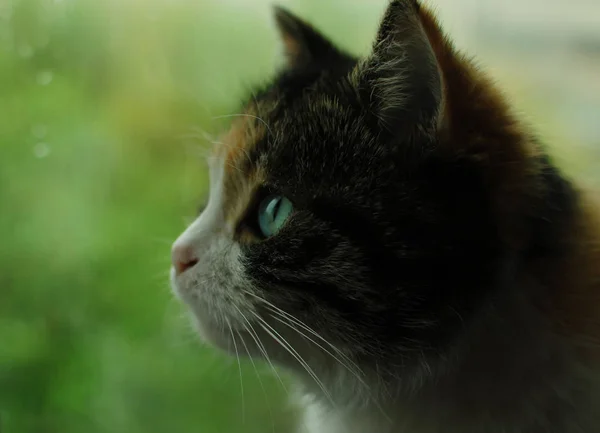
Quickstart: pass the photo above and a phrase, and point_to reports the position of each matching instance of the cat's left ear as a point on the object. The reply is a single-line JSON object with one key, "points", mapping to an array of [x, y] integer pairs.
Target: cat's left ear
{"points": [[303, 44]]}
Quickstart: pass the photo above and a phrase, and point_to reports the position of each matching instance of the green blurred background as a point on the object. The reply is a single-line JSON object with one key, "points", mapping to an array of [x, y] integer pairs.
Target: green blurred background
{"points": [[103, 110]]}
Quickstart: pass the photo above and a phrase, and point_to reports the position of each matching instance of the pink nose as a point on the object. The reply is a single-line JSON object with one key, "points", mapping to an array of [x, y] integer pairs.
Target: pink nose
{"points": [[183, 257]]}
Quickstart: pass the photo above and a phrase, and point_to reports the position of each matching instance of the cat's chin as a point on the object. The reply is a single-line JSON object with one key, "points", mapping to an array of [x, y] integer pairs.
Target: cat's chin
{"points": [[222, 323], [210, 332], [233, 340], [213, 334]]}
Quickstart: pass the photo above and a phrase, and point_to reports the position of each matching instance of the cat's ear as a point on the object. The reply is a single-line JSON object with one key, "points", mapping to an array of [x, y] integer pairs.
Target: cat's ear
{"points": [[402, 72], [302, 43]]}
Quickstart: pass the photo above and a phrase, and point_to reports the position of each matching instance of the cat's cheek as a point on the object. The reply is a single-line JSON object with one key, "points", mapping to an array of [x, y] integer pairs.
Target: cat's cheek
{"points": [[205, 310], [214, 291], [183, 288], [211, 335]]}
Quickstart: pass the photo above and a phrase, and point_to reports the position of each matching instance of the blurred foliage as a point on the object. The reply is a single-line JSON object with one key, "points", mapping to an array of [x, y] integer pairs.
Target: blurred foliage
{"points": [[104, 105], [104, 108]]}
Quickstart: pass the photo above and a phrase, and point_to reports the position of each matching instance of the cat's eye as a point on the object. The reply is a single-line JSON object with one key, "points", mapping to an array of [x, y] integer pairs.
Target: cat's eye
{"points": [[273, 212]]}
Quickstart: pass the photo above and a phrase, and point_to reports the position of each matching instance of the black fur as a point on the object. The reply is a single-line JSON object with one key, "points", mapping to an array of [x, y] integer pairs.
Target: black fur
{"points": [[392, 244]]}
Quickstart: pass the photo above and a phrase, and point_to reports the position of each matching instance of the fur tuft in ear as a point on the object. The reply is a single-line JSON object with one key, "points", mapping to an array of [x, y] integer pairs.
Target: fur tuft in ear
{"points": [[304, 45], [403, 72]]}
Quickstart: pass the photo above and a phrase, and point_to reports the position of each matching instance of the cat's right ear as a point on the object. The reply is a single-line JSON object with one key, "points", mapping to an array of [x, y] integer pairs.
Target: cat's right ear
{"points": [[402, 72], [303, 44]]}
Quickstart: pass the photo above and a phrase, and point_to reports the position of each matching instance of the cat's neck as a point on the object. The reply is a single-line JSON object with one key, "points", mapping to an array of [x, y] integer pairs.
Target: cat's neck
{"points": [[513, 371], [507, 383]]}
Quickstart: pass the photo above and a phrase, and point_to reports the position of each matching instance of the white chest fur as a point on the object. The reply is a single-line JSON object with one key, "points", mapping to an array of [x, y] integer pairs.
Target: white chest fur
{"points": [[318, 419]]}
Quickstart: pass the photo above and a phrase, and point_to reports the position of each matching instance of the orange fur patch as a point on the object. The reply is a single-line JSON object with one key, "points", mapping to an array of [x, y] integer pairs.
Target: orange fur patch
{"points": [[478, 123], [241, 179], [576, 304]]}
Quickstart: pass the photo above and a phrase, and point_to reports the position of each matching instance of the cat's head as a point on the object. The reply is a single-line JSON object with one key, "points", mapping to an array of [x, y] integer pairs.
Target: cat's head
{"points": [[360, 209]]}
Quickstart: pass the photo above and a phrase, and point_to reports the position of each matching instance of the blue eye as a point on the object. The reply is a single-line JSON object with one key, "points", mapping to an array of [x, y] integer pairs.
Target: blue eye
{"points": [[273, 212]]}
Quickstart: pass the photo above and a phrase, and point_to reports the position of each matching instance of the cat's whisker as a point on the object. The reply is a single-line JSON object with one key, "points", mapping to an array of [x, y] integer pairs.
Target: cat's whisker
{"points": [[185, 336], [237, 357], [200, 141], [342, 363], [307, 328], [246, 115], [209, 154], [201, 130], [256, 104], [229, 146], [248, 326], [288, 347], [254, 98], [348, 364], [199, 152], [193, 135], [356, 371], [258, 377]]}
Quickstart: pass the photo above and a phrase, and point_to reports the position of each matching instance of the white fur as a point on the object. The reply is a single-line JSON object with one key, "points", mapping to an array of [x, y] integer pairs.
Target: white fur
{"points": [[213, 286]]}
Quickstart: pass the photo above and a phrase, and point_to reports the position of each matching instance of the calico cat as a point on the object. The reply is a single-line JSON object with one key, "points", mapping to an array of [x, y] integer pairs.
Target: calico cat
{"points": [[389, 231]]}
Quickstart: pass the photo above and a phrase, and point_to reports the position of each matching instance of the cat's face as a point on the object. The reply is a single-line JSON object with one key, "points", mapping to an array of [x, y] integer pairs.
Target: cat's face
{"points": [[340, 223]]}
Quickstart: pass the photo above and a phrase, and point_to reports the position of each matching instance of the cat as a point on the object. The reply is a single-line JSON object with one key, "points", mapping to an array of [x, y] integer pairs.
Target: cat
{"points": [[389, 231]]}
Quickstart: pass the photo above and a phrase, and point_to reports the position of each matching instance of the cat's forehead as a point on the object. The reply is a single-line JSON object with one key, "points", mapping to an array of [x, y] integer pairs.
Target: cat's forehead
{"points": [[233, 157], [266, 124], [314, 140], [241, 137]]}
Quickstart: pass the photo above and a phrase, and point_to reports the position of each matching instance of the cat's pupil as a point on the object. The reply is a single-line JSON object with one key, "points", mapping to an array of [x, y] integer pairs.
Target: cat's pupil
{"points": [[272, 214], [277, 203]]}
